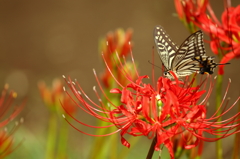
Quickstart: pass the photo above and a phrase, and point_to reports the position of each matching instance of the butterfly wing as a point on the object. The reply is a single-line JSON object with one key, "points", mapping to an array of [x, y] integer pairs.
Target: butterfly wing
{"points": [[191, 47], [165, 46], [188, 58], [184, 62], [199, 44]]}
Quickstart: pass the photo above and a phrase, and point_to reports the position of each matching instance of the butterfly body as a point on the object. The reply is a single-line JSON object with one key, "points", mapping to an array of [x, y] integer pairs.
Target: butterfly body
{"points": [[207, 65], [190, 57]]}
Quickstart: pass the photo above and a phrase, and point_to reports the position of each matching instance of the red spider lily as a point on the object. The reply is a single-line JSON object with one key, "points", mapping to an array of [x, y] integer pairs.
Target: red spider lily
{"points": [[5, 104], [225, 35], [169, 110], [179, 145], [6, 139], [51, 96], [117, 42], [6, 143]]}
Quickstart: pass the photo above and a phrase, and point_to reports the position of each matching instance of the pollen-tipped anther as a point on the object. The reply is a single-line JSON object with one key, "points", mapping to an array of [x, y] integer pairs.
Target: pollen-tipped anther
{"points": [[21, 120], [94, 71]]}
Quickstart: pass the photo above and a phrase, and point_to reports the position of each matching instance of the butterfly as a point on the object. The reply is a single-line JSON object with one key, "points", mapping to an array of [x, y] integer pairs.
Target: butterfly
{"points": [[190, 57]]}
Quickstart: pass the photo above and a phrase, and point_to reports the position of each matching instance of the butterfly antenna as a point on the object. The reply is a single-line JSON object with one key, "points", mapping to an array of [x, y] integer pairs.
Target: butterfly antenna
{"points": [[153, 64], [223, 63], [153, 72]]}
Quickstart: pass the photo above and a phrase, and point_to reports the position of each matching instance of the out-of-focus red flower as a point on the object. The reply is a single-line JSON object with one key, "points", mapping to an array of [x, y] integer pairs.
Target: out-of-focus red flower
{"points": [[52, 95], [225, 35], [171, 109], [117, 42], [179, 142], [7, 114], [6, 144]]}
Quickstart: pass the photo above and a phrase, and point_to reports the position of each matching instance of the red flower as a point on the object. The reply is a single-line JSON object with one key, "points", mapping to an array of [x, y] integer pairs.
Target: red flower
{"points": [[52, 96], [179, 145], [116, 42], [169, 110], [225, 35], [6, 139]]}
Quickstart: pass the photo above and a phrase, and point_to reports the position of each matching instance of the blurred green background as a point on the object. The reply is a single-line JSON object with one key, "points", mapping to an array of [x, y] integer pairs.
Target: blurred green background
{"points": [[42, 40]]}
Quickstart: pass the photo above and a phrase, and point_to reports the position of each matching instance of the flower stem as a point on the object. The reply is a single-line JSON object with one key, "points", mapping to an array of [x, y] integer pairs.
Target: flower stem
{"points": [[63, 137], [100, 144], [51, 142], [113, 144], [151, 150], [124, 153], [218, 103]]}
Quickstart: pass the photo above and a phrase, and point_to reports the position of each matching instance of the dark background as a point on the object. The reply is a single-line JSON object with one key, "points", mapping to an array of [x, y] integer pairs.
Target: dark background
{"points": [[42, 40]]}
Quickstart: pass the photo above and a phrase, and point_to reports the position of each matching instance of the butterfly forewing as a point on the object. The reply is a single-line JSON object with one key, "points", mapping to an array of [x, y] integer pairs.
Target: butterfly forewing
{"points": [[165, 46], [199, 45], [191, 47]]}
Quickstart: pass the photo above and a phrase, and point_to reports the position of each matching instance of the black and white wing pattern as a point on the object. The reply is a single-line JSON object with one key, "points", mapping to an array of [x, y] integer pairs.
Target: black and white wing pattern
{"points": [[184, 62], [165, 46], [191, 47], [179, 60], [190, 57]]}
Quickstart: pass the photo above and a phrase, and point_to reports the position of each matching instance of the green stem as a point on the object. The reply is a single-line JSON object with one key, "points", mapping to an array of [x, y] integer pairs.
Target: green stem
{"points": [[51, 141], [100, 143], [179, 152], [218, 103], [151, 150], [113, 144], [125, 151], [63, 137]]}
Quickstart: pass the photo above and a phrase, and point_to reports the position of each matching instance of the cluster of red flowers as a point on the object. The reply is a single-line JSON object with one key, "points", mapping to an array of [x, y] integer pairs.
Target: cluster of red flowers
{"points": [[169, 110], [117, 42], [6, 139], [52, 95], [225, 35]]}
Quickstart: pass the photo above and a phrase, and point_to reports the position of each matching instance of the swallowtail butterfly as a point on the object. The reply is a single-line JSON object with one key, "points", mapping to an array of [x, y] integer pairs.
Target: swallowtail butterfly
{"points": [[190, 57]]}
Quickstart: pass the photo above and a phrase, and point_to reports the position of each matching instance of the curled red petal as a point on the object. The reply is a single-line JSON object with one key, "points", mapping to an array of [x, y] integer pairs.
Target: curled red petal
{"points": [[115, 90], [178, 6], [227, 58]]}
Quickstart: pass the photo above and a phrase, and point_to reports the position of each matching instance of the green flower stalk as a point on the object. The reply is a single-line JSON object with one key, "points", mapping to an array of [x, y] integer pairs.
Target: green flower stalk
{"points": [[117, 42], [54, 97]]}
